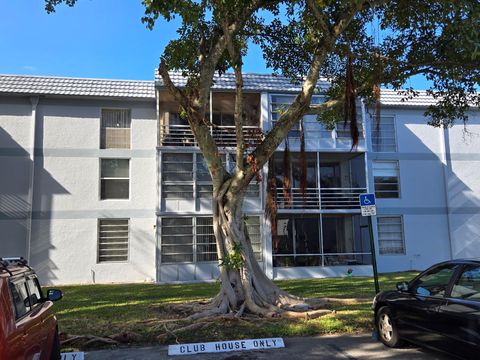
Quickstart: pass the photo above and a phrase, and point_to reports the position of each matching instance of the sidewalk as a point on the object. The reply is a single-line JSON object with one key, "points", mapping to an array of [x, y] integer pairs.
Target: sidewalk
{"points": [[349, 347]]}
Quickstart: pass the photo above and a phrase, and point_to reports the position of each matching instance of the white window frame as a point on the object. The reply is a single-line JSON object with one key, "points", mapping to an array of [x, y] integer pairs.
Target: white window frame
{"points": [[401, 223], [104, 128], [114, 178], [190, 183], [398, 178], [395, 137], [193, 224], [322, 130], [99, 220]]}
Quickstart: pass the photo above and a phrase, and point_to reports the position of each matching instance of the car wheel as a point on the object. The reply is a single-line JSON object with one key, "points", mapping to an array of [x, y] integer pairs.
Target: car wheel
{"points": [[387, 328], [56, 347]]}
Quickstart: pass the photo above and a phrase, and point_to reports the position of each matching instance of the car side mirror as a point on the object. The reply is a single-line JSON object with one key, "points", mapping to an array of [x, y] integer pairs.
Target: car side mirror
{"points": [[402, 286], [54, 294]]}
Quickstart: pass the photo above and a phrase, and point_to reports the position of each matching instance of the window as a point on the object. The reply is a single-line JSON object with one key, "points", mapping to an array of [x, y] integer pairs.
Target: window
{"points": [[112, 240], [115, 182], [188, 239], [390, 235], [320, 240], [386, 178], [435, 282], [254, 232], [342, 130], [34, 291], [468, 285], [115, 129], [383, 135], [20, 298], [280, 103], [177, 176], [206, 244], [177, 240]]}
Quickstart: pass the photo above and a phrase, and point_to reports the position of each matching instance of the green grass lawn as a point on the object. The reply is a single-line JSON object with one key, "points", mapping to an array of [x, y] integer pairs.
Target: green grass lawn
{"points": [[104, 310]]}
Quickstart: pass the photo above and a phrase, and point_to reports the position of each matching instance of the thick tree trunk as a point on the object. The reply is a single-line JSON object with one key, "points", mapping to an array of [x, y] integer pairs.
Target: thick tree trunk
{"points": [[244, 285]]}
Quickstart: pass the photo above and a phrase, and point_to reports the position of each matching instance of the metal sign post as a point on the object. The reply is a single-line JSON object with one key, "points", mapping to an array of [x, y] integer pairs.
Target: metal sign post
{"points": [[369, 209]]}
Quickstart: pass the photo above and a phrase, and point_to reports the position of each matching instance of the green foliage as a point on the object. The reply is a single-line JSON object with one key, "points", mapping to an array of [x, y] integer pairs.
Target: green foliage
{"points": [[389, 41], [234, 259]]}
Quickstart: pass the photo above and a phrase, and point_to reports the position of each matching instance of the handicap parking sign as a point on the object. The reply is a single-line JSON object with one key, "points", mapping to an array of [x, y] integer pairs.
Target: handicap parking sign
{"points": [[367, 204], [367, 199]]}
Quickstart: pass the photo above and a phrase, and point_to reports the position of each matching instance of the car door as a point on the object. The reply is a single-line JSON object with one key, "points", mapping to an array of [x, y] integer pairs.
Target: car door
{"points": [[14, 333], [417, 310], [460, 315], [41, 318], [23, 324]]}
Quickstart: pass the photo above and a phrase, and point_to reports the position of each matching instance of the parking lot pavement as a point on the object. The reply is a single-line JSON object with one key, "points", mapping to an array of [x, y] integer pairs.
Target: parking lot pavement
{"points": [[348, 347]]}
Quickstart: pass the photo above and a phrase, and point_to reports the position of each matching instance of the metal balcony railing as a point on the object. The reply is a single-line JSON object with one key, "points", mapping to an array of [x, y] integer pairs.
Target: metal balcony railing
{"points": [[181, 135], [341, 198], [311, 200], [325, 198]]}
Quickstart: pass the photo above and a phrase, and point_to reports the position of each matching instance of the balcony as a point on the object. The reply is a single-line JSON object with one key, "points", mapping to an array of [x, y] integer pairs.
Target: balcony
{"points": [[333, 180], [224, 136], [324, 199]]}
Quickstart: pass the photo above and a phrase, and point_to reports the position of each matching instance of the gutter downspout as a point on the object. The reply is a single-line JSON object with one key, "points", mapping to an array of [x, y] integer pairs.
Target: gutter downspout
{"points": [[446, 160], [34, 101]]}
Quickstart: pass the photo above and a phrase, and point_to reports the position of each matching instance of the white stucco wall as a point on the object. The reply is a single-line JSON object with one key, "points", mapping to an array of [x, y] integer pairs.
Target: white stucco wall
{"points": [[422, 201], [67, 202], [15, 167], [463, 184]]}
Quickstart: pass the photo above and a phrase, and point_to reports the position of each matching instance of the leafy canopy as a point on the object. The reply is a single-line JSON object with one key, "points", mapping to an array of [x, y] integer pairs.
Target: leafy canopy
{"points": [[388, 42]]}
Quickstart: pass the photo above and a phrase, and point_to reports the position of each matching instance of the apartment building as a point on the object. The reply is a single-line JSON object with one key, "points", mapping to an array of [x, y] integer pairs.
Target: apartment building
{"points": [[102, 181]]}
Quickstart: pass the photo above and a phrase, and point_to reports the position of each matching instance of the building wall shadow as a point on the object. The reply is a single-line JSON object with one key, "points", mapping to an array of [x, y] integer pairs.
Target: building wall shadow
{"points": [[17, 216]]}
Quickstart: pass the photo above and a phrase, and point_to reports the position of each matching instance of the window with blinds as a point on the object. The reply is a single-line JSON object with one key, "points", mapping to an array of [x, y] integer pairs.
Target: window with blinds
{"points": [[191, 239], [383, 135], [390, 235], [115, 129], [177, 176], [255, 234], [177, 240], [386, 175], [113, 240], [280, 103]]}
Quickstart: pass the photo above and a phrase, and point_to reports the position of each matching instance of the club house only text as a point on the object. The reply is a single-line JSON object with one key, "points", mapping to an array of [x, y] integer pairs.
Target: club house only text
{"points": [[225, 346]]}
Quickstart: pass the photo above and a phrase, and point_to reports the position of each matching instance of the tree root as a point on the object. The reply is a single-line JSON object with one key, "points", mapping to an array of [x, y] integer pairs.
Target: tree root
{"points": [[309, 315], [173, 332], [297, 308], [86, 340]]}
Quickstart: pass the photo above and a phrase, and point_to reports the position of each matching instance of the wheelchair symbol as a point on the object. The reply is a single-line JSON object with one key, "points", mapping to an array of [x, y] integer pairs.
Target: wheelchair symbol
{"points": [[367, 201]]}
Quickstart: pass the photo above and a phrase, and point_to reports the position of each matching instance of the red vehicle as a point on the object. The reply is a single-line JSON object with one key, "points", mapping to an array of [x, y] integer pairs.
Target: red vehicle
{"points": [[28, 327]]}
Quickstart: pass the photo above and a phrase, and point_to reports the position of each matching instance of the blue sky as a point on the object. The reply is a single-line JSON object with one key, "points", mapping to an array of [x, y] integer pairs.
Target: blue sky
{"points": [[96, 38]]}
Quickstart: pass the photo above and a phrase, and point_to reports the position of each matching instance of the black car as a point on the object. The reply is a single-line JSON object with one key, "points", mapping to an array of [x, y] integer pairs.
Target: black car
{"points": [[440, 308]]}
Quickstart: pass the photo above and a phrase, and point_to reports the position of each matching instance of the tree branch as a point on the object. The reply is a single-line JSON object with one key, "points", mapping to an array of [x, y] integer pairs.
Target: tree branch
{"points": [[209, 63], [317, 13], [301, 103], [236, 58]]}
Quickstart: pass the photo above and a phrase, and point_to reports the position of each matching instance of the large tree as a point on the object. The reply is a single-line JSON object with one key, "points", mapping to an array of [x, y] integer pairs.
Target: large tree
{"points": [[358, 45]]}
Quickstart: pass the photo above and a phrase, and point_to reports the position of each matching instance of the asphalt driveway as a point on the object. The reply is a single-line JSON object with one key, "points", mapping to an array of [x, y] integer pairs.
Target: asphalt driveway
{"points": [[349, 347]]}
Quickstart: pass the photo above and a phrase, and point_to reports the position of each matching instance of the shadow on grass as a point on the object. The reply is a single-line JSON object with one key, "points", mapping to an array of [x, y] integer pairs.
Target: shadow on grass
{"points": [[103, 310]]}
